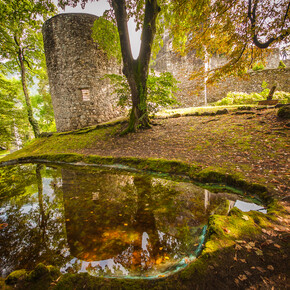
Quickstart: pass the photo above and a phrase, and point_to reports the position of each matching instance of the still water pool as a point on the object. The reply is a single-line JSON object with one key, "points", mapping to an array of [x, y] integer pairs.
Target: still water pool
{"points": [[105, 222]]}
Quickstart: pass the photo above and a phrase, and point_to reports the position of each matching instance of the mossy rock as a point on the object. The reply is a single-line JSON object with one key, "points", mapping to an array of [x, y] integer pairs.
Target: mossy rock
{"points": [[15, 276], [39, 271], [244, 108], [284, 112], [53, 271], [222, 112]]}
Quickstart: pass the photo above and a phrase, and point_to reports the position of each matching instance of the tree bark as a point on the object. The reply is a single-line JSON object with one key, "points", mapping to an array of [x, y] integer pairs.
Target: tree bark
{"points": [[31, 119], [136, 71], [271, 93], [252, 18]]}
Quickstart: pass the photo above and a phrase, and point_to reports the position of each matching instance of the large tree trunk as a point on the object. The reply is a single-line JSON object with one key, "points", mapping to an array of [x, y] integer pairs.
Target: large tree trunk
{"points": [[31, 119], [136, 71]]}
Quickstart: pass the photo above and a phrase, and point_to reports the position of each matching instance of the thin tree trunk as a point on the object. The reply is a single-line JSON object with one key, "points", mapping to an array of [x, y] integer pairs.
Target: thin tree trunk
{"points": [[136, 71], [31, 119], [42, 217], [271, 93], [145, 222]]}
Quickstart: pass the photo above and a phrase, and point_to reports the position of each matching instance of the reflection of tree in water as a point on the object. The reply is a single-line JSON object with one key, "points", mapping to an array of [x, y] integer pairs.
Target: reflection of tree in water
{"points": [[14, 180], [34, 233], [164, 225], [142, 253], [138, 221]]}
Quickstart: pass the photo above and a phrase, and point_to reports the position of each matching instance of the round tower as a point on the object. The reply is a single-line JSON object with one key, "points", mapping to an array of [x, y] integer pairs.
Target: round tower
{"points": [[75, 66]]}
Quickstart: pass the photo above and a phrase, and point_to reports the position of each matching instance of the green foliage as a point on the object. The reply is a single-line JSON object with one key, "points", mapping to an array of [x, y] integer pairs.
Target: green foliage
{"points": [[106, 35], [235, 98], [15, 276], [265, 91], [160, 90], [258, 66], [224, 29], [20, 30], [281, 64], [11, 114], [21, 44], [240, 98], [41, 103]]}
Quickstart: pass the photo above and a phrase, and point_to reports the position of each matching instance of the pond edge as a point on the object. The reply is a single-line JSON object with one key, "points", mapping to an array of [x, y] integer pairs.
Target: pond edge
{"points": [[216, 239]]}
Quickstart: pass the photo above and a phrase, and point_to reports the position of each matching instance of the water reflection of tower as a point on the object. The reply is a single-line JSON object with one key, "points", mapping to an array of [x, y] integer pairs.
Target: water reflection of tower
{"points": [[117, 222], [209, 196], [108, 216], [93, 204]]}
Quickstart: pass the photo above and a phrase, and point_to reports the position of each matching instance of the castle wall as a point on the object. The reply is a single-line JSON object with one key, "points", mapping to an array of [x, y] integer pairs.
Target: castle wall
{"points": [[192, 91], [75, 66], [251, 82]]}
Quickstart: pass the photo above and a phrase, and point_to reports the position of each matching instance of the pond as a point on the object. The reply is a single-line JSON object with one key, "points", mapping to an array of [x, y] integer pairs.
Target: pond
{"points": [[104, 221]]}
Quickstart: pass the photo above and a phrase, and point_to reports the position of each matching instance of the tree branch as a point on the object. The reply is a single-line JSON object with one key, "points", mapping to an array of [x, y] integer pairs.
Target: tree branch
{"points": [[252, 18], [119, 7], [149, 29]]}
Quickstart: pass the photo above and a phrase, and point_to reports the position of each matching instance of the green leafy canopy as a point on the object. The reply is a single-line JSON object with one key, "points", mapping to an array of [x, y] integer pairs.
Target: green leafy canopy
{"points": [[160, 88], [105, 34]]}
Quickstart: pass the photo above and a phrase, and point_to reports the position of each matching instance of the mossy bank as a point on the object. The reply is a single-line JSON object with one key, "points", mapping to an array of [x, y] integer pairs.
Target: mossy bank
{"points": [[242, 249]]}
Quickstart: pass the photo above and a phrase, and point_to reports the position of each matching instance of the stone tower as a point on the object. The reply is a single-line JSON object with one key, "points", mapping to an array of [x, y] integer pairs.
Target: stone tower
{"points": [[75, 65]]}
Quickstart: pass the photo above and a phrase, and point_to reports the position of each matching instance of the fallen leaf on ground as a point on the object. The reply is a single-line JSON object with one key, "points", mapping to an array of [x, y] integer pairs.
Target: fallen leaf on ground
{"points": [[242, 277], [247, 273], [267, 242], [259, 252], [270, 267], [261, 269], [240, 242], [2, 226]]}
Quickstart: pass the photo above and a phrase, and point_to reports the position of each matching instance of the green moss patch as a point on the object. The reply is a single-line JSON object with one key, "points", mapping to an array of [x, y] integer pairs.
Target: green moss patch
{"points": [[39, 278]]}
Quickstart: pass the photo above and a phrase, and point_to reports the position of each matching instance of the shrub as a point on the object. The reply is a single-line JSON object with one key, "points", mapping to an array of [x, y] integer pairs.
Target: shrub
{"points": [[240, 98], [258, 66], [160, 90], [281, 64]]}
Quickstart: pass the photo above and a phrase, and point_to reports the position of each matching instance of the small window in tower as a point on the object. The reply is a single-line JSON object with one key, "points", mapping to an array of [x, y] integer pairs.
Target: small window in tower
{"points": [[85, 94]]}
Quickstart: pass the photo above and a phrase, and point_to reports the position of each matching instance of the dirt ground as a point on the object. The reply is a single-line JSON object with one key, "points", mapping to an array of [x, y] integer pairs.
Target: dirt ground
{"points": [[254, 145]]}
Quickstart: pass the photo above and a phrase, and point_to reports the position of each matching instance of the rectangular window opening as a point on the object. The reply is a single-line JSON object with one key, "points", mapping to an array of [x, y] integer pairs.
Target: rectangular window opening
{"points": [[85, 94]]}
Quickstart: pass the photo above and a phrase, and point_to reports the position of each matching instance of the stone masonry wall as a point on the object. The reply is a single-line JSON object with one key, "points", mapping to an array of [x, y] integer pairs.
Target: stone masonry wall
{"points": [[251, 82], [192, 91], [75, 65]]}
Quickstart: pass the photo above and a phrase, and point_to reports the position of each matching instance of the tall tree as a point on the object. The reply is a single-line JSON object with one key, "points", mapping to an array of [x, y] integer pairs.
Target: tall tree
{"points": [[12, 115], [41, 102], [136, 71], [21, 42], [239, 30]]}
